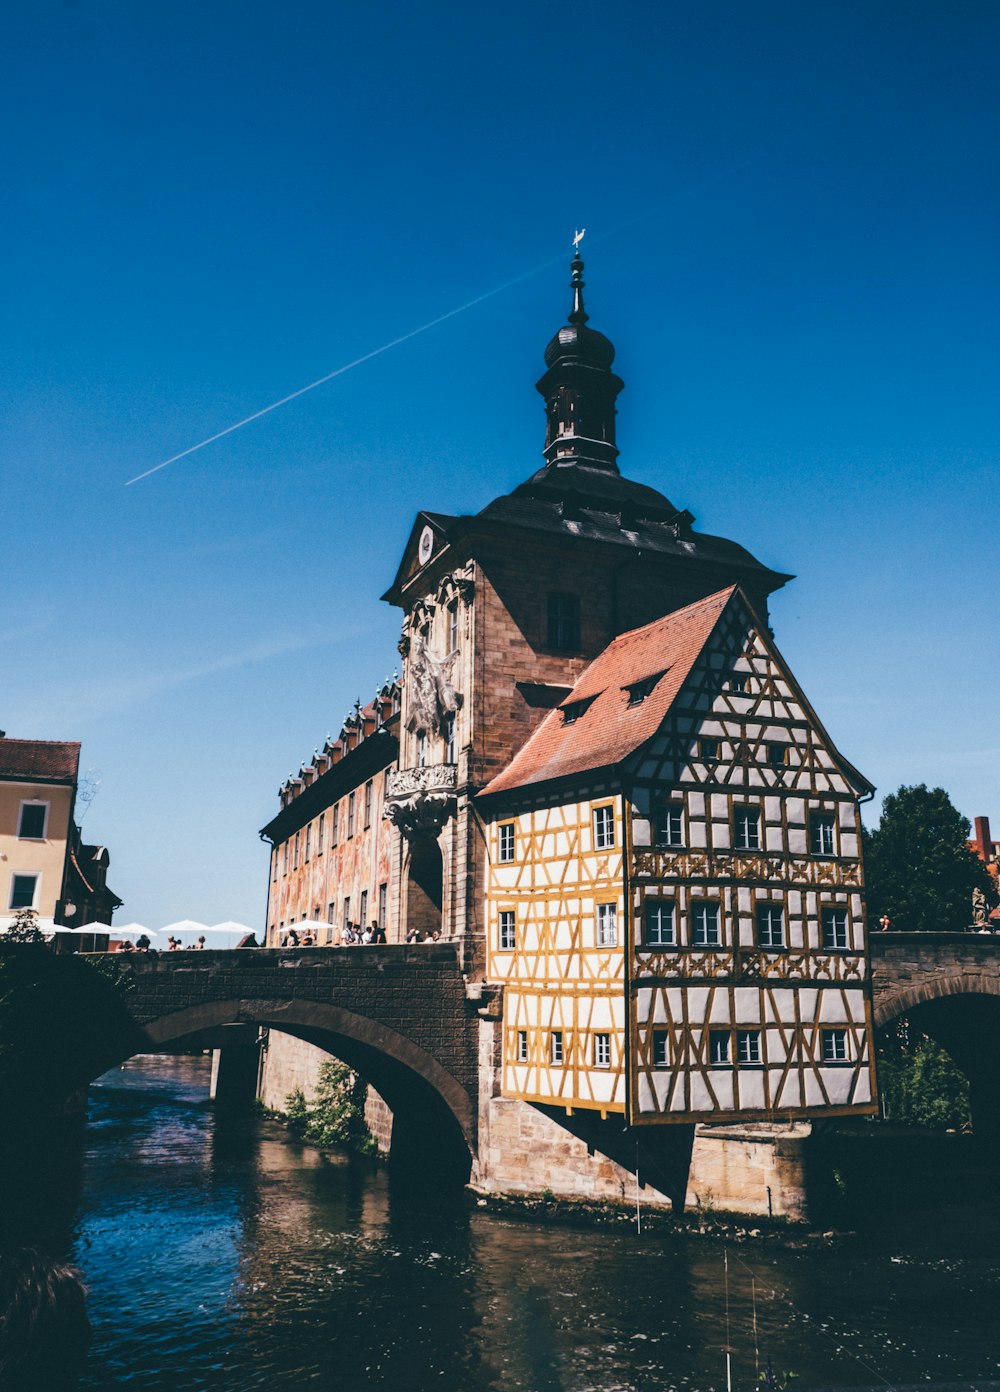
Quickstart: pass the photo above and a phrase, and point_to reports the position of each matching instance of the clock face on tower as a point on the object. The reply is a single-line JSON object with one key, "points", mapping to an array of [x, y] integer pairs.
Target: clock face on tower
{"points": [[425, 546]]}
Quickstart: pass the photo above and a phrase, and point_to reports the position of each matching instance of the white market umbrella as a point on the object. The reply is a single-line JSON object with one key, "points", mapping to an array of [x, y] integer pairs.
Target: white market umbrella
{"points": [[131, 930], [316, 926], [231, 929], [184, 927]]}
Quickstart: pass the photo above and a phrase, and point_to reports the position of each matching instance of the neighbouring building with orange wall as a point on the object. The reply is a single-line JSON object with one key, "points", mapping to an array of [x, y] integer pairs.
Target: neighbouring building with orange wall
{"points": [[45, 865]]}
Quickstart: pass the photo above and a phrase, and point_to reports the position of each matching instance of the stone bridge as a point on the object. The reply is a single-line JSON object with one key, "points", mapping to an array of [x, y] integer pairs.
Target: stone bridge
{"points": [[407, 1021], [401, 1016], [948, 985]]}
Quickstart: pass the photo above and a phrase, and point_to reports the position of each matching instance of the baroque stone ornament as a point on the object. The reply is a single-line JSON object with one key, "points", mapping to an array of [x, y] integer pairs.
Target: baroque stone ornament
{"points": [[421, 799], [431, 693]]}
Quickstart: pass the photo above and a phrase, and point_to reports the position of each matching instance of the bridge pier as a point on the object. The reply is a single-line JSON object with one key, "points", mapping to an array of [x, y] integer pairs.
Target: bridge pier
{"points": [[235, 1068]]}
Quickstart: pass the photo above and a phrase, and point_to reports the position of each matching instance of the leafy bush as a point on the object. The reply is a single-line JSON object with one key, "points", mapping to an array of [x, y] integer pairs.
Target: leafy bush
{"points": [[921, 1085], [336, 1114]]}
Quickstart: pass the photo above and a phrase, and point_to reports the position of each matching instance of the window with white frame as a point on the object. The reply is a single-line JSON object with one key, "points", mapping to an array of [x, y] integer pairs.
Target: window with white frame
{"points": [[602, 1050], [383, 891], [669, 829], [604, 827], [33, 821], [421, 749], [522, 1046], [821, 833], [770, 925], [334, 824], [705, 925], [350, 815], [320, 833], [607, 925], [748, 1046], [369, 790], [309, 840], [661, 1049], [505, 835], [295, 851], [718, 1047], [746, 828], [659, 918], [556, 1046], [284, 859], [453, 626], [23, 889], [363, 916], [834, 928], [833, 1045], [347, 913], [508, 931]]}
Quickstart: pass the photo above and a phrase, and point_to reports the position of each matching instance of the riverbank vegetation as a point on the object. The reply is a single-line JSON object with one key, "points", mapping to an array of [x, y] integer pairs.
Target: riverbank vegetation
{"points": [[920, 1084], [335, 1116]]}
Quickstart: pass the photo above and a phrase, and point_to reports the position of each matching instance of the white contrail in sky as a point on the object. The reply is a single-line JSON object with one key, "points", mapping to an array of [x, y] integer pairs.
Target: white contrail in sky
{"points": [[339, 371], [442, 318]]}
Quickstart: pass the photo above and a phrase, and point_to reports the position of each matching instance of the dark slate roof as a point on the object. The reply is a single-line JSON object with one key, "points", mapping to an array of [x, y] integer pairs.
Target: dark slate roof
{"points": [[47, 761]]}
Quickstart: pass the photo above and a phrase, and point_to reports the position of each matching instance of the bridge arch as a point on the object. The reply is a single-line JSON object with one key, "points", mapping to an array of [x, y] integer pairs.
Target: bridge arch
{"points": [[433, 1114], [902, 1000]]}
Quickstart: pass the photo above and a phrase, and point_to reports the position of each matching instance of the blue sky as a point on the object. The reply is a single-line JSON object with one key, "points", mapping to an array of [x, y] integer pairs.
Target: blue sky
{"points": [[793, 214]]}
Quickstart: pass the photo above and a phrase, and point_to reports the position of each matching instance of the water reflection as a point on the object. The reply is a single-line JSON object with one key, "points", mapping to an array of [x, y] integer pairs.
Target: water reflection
{"points": [[224, 1256]]}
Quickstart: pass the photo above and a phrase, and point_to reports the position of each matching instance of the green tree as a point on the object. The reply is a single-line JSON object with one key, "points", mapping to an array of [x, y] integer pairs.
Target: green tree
{"points": [[25, 928], [918, 869]]}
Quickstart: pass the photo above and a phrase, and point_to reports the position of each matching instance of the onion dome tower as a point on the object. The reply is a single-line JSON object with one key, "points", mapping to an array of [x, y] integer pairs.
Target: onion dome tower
{"points": [[580, 390]]}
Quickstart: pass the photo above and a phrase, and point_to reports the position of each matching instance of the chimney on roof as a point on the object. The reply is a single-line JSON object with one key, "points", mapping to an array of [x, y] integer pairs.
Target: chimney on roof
{"points": [[984, 845]]}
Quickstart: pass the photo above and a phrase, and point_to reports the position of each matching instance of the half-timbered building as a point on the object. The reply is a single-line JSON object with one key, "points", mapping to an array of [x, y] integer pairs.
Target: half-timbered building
{"points": [[674, 900]]}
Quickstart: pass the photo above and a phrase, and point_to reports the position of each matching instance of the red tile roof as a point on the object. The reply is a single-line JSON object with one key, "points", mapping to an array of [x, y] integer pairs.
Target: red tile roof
{"points": [[52, 761], [610, 729]]}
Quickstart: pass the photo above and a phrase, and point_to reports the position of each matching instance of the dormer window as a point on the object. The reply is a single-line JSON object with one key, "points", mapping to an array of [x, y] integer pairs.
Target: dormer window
{"points": [[638, 691], [574, 709]]}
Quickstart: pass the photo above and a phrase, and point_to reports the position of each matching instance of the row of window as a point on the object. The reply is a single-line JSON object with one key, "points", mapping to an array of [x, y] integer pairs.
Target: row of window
{"points": [[661, 929], [347, 917], [668, 828], [302, 844], [725, 1046]]}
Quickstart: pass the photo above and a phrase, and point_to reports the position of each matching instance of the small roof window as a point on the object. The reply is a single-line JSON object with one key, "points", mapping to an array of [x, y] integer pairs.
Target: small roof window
{"points": [[572, 710], [638, 691]]}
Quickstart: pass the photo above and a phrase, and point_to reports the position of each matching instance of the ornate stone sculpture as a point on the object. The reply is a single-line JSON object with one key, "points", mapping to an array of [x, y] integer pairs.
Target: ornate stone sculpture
{"points": [[431, 694], [980, 913], [421, 799]]}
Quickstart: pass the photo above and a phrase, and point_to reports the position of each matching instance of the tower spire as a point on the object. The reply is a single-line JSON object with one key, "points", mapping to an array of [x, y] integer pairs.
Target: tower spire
{"points": [[579, 387], [577, 315]]}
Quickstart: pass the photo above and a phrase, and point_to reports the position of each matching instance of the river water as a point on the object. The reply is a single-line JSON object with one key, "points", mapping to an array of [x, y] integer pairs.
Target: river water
{"points": [[221, 1255]]}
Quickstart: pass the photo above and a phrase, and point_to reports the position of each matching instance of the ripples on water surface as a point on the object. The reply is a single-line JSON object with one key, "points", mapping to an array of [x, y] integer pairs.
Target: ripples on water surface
{"points": [[222, 1256]]}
